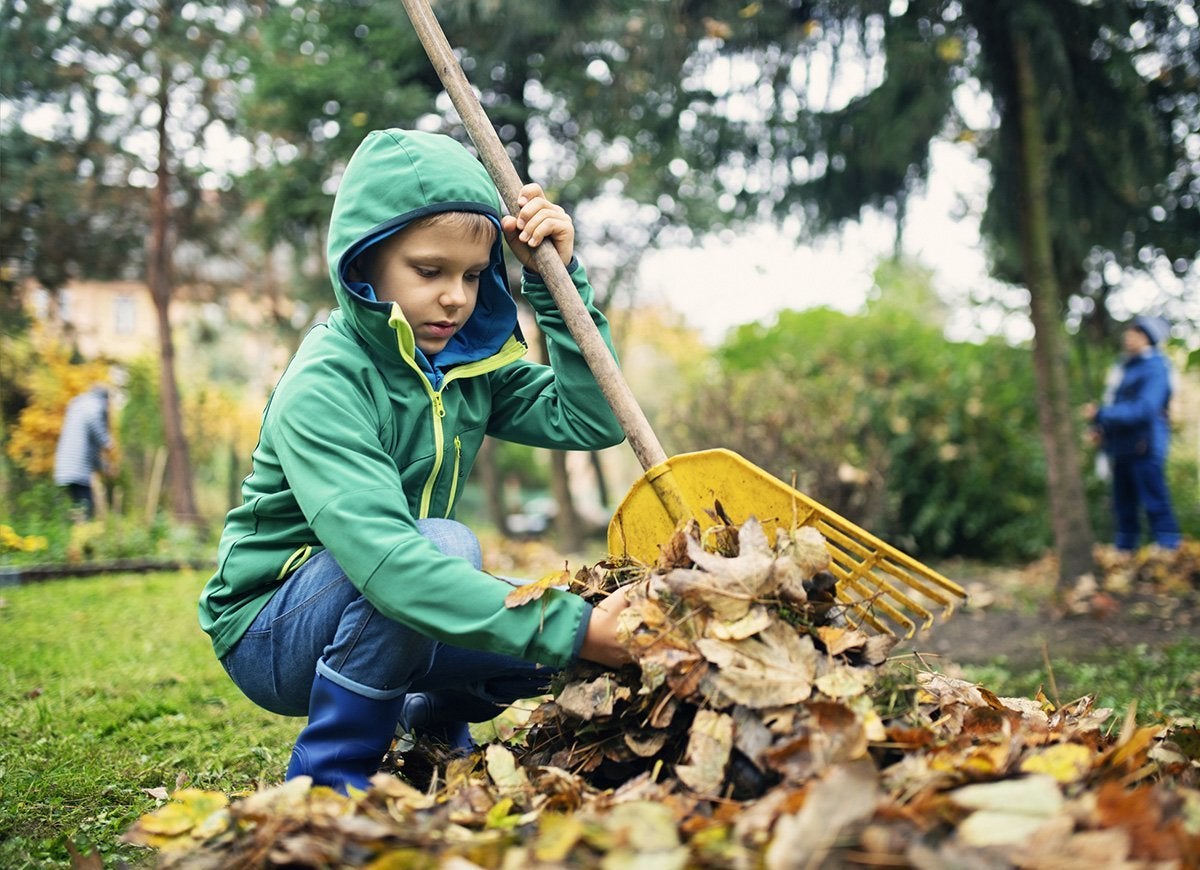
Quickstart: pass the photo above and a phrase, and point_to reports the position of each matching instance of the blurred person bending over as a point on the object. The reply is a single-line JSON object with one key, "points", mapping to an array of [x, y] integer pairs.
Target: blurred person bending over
{"points": [[81, 445]]}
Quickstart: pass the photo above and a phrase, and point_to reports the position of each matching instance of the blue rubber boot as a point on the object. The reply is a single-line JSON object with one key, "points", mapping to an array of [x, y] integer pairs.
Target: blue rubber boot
{"points": [[346, 737], [424, 714]]}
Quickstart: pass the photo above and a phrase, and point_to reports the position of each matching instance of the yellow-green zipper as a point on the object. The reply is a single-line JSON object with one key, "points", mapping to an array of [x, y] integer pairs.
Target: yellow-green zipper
{"points": [[510, 352], [454, 480]]}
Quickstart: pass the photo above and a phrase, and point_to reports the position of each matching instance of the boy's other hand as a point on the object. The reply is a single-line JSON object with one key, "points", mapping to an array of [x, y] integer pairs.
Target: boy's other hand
{"points": [[536, 220], [600, 644]]}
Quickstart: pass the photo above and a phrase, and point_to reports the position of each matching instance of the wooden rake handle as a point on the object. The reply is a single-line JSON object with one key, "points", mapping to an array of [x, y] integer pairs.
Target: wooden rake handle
{"points": [[604, 368]]}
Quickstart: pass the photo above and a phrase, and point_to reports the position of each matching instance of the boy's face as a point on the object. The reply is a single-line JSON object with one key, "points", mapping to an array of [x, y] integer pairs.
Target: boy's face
{"points": [[432, 273]]}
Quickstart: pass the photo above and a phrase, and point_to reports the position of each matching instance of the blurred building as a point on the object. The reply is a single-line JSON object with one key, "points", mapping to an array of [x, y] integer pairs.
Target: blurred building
{"points": [[234, 330]]}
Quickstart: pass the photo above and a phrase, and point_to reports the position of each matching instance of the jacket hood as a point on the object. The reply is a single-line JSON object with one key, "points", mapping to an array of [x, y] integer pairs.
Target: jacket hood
{"points": [[395, 177]]}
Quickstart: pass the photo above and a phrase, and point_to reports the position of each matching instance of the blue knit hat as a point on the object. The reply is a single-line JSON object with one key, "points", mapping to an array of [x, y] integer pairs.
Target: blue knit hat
{"points": [[1155, 328]]}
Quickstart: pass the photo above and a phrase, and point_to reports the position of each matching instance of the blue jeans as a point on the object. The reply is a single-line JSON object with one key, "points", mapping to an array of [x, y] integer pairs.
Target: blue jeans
{"points": [[318, 621], [1139, 484]]}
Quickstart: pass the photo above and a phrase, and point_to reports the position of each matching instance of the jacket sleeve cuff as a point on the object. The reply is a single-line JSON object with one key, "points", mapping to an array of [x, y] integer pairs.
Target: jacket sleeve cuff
{"points": [[585, 619], [535, 278]]}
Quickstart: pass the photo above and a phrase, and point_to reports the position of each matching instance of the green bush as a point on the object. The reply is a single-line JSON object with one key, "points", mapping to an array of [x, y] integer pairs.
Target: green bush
{"points": [[42, 510], [1183, 478], [928, 443]]}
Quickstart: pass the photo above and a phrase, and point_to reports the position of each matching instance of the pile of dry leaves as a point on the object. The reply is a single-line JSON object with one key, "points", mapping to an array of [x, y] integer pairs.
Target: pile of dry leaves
{"points": [[756, 729]]}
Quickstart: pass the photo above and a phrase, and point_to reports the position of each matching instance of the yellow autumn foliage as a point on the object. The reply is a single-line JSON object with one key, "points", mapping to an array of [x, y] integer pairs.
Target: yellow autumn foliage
{"points": [[216, 417], [12, 541], [53, 380]]}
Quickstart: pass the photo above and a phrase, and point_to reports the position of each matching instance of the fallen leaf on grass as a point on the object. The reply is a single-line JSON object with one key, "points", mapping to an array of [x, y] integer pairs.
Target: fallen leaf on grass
{"points": [[172, 825]]}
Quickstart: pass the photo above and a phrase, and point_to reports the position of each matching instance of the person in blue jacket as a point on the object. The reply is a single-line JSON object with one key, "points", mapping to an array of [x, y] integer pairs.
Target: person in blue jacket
{"points": [[1133, 428]]}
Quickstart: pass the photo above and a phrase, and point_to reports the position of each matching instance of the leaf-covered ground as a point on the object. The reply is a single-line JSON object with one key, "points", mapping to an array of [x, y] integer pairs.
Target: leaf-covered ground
{"points": [[757, 728]]}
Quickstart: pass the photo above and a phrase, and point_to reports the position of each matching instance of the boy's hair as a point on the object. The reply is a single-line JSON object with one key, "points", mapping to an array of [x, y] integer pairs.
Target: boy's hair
{"points": [[472, 224]]}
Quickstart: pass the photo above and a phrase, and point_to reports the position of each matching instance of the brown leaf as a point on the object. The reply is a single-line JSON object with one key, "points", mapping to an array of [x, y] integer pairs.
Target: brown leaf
{"points": [[831, 733], [674, 554], [877, 649], [79, 861], [645, 742], [838, 639], [844, 681], [527, 592], [774, 667], [586, 700], [727, 586], [843, 798], [710, 743], [757, 619]]}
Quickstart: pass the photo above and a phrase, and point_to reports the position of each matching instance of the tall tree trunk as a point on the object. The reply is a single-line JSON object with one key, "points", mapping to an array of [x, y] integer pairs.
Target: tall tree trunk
{"points": [[493, 486], [1068, 505], [601, 480], [179, 466], [568, 527]]}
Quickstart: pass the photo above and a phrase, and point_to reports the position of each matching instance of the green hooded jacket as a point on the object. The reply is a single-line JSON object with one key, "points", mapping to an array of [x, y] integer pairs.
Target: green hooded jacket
{"points": [[363, 434]]}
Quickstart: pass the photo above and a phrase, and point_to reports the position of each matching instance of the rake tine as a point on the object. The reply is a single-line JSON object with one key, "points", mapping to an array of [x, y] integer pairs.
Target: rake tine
{"points": [[851, 536], [865, 594], [874, 556], [862, 573], [866, 614]]}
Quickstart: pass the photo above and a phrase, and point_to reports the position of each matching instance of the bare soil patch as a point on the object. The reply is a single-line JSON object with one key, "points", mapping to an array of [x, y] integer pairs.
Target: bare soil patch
{"points": [[1015, 614]]}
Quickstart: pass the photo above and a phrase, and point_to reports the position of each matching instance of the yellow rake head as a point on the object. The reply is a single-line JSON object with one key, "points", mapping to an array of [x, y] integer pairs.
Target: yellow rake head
{"points": [[880, 587]]}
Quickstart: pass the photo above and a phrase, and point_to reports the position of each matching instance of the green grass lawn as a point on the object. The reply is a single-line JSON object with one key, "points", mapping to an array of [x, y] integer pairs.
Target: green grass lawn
{"points": [[107, 688], [1165, 683]]}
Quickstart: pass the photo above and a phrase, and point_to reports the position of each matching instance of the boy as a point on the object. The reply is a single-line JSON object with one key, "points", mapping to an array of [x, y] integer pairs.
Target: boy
{"points": [[343, 589]]}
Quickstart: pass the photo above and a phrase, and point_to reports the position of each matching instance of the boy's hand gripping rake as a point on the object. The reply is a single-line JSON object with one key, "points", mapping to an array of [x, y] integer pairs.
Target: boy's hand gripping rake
{"points": [[880, 587]]}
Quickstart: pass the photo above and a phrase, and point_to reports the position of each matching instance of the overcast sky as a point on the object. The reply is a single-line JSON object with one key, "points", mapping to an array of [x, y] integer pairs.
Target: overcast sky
{"points": [[751, 276]]}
